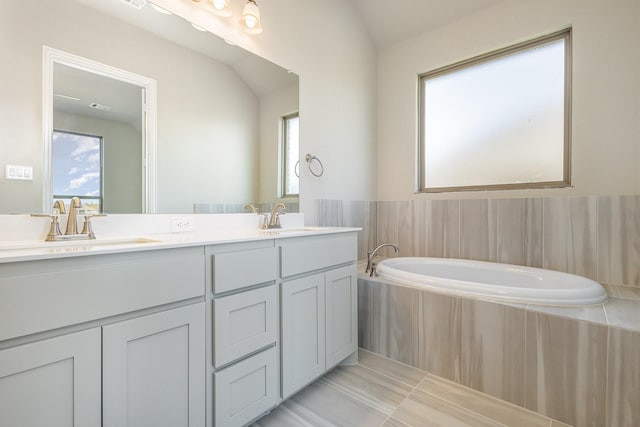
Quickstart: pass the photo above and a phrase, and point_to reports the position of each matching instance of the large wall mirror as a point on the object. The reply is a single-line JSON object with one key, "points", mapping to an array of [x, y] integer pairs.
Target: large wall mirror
{"points": [[218, 117]]}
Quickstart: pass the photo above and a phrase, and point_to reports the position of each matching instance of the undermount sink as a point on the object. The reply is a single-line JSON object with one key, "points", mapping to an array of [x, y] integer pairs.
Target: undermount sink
{"points": [[73, 244]]}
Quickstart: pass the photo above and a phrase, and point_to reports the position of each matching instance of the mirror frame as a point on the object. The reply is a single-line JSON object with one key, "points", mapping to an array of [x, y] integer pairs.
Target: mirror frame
{"points": [[53, 56]]}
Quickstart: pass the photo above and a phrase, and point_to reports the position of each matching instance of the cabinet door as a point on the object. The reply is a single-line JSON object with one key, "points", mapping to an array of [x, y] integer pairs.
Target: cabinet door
{"points": [[303, 332], [247, 389], [54, 382], [154, 370], [244, 323], [342, 314]]}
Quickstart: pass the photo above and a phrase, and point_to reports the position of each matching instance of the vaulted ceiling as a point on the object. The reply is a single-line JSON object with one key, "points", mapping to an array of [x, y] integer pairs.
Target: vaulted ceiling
{"points": [[392, 21]]}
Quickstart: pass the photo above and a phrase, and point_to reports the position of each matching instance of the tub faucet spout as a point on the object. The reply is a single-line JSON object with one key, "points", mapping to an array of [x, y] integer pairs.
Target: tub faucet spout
{"points": [[371, 266]]}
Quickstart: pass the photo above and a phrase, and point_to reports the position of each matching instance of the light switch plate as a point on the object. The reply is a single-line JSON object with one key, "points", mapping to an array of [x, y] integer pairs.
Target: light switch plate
{"points": [[17, 172]]}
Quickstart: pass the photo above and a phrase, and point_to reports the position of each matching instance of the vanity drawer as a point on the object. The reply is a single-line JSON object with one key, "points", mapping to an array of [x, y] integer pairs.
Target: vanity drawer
{"points": [[247, 389], [236, 270], [42, 295], [243, 323], [304, 254]]}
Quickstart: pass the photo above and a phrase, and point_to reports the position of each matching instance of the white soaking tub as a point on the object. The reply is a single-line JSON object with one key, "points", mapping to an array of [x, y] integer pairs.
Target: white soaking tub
{"points": [[493, 281]]}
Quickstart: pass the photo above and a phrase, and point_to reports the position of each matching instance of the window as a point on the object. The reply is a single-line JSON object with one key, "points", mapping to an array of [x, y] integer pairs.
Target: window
{"points": [[290, 156], [77, 168], [498, 121]]}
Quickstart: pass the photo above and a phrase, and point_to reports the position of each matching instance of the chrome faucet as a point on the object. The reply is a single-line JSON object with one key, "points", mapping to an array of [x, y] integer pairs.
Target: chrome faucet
{"points": [[274, 221], [371, 266], [72, 223]]}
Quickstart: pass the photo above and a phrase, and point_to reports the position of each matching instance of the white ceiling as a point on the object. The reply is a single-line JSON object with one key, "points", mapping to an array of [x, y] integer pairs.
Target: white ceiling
{"points": [[387, 21], [391, 21], [260, 75], [82, 88]]}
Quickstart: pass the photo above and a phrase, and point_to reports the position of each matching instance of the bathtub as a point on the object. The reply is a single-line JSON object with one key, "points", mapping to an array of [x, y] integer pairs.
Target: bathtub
{"points": [[493, 281]]}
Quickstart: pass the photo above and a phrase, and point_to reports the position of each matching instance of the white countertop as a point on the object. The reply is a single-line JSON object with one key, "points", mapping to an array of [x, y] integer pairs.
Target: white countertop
{"points": [[30, 250]]}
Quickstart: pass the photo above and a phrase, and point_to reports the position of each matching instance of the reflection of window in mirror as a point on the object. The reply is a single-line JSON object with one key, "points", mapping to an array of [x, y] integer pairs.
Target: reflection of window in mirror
{"points": [[498, 121], [290, 149], [77, 168]]}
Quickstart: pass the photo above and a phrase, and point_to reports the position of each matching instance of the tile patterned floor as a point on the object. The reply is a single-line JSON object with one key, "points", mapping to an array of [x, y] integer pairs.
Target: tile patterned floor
{"points": [[381, 392]]}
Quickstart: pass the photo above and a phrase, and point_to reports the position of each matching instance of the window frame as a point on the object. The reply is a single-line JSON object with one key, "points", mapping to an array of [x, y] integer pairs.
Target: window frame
{"points": [[566, 35], [100, 198], [283, 149]]}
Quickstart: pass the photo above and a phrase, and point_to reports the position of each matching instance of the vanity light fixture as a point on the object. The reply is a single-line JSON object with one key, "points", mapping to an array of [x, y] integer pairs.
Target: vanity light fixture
{"points": [[250, 20], [221, 8]]}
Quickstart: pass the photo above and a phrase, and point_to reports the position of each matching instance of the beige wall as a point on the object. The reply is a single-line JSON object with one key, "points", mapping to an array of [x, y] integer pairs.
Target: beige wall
{"points": [[273, 107], [122, 157], [207, 127], [325, 43], [606, 90]]}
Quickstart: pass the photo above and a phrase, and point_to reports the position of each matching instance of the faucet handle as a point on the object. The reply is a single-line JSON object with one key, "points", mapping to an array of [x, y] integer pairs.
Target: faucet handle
{"points": [[87, 228], [54, 229], [278, 214], [265, 221]]}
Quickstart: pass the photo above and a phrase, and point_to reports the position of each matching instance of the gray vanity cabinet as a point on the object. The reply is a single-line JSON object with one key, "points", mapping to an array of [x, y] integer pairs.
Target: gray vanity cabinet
{"points": [[303, 332], [341, 286], [112, 340], [319, 306], [243, 321], [153, 370], [53, 382]]}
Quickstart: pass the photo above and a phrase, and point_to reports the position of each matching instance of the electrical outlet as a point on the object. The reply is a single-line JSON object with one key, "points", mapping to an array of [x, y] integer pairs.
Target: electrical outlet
{"points": [[181, 223]]}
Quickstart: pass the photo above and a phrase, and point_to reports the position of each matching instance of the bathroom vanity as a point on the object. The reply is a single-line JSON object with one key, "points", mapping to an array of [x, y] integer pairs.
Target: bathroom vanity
{"points": [[195, 332]]}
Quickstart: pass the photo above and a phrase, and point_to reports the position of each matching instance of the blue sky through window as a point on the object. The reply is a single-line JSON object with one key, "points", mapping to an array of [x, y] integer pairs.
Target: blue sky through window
{"points": [[76, 164]]}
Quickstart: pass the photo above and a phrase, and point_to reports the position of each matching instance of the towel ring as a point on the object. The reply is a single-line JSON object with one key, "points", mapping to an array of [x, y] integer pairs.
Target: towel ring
{"points": [[310, 158], [296, 169]]}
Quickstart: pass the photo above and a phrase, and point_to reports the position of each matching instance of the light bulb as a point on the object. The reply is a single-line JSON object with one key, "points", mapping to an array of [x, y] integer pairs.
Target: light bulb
{"points": [[251, 18], [250, 22], [221, 7]]}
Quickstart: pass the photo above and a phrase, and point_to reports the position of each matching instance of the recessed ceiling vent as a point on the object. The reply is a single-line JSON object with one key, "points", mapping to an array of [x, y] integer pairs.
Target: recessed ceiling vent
{"points": [[99, 106], [138, 4]]}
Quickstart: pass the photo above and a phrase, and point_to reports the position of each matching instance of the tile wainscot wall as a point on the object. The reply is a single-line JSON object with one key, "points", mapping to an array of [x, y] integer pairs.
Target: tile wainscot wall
{"points": [[577, 365]]}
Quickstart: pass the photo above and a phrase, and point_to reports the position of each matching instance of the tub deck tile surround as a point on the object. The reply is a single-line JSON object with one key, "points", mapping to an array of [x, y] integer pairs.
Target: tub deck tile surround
{"points": [[386, 324], [478, 225], [549, 359], [493, 349], [566, 366], [519, 237], [438, 334], [406, 233], [618, 237], [569, 233], [387, 226], [420, 227], [592, 313], [623, 383], [381, 392], [594, 236], [443, 229], [623, 292], [623, 313]]}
